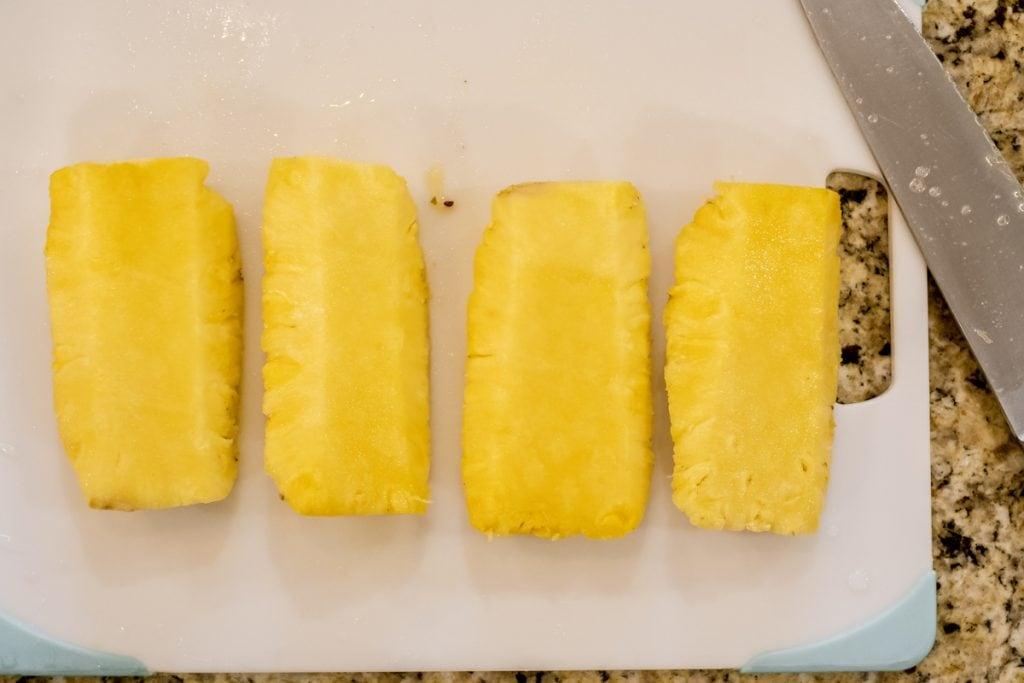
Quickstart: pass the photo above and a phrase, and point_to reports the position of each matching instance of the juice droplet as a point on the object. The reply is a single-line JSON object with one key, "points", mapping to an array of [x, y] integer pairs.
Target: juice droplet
{"points": [[1003, 220], [858, 580], [965, 210], [917, 185], [872, 118], [934, 191], [922, 171], [889, 69]]}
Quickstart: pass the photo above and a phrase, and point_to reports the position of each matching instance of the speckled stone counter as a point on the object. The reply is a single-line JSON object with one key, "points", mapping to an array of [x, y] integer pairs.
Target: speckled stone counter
{"points": [[977, 467]]}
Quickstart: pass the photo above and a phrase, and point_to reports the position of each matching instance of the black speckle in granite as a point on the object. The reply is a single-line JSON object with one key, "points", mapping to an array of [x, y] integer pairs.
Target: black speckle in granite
{"points": [[950, 627], [885, 350], [955, 544], [999, 16], [978, 379], [851, 354], [604, 676], [856, 196], [520, 677]]}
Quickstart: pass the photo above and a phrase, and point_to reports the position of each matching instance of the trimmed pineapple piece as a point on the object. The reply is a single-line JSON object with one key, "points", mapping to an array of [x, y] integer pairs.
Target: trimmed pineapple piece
{"points": [[345, 332], [752, 357], [145, 289], [557, 415]]}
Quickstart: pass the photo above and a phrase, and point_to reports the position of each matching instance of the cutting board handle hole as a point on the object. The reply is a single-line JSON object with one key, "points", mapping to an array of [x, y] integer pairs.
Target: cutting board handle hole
{"points": [[865, 328]]}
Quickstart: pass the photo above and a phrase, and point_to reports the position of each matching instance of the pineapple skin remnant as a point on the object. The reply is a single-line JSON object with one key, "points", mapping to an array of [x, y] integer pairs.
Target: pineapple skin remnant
{"points": [[557, 407], [752, 357], [346, 337], [144, 281]]}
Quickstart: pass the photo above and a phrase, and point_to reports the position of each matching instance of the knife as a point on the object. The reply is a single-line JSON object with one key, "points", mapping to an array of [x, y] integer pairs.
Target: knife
{"points": [[958, 195]]}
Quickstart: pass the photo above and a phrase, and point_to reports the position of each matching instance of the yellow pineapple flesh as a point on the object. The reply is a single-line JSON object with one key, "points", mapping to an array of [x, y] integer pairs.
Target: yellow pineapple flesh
{"points": [[144, 283], [345, 333], [557, 413], [752, 357]]}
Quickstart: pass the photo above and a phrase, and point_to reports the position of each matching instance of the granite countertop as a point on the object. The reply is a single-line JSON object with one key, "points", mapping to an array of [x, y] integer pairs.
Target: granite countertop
{"points": [[977, 466]]}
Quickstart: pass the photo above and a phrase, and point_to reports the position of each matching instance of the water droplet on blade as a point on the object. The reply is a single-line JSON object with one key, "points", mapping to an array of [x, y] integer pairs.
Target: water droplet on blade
{"points": [[922, 171], [917, 185], [1003, 220], [872, 118], [934, 191]]}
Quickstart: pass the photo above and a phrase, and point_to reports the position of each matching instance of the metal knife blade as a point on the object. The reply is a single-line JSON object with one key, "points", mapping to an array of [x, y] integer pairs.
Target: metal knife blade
{"points": [[960, 198]]}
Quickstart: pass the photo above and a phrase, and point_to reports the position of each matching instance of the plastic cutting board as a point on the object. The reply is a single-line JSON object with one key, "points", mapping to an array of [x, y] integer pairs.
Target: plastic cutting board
{"points": [[670, 95]]}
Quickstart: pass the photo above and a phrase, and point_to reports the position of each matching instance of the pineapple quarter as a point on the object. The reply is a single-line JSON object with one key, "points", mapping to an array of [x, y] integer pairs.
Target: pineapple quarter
{"points": [[145, 292], [752, 357], [345, 333], [557, 407]]}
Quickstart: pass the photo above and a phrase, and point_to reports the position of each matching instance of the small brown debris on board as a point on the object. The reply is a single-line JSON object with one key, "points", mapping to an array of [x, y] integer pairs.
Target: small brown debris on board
{"points": [[435, 186]]}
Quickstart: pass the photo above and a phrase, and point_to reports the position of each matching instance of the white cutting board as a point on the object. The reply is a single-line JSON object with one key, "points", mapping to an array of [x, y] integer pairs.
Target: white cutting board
{"points": [[669, 95]]}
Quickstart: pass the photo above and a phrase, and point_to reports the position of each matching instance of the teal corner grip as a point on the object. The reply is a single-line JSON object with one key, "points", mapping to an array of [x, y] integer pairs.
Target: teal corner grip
{"points": [[25, 651], [894, 640]]}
